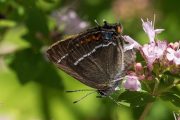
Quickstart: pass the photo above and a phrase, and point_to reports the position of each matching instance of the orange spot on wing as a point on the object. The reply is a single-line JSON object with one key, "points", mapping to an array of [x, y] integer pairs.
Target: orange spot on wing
{"points": [[91, 38], [119, 30]]}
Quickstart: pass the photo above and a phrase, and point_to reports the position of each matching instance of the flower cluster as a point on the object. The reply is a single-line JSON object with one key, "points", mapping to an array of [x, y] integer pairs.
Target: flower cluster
{"points": [[159, 56]]}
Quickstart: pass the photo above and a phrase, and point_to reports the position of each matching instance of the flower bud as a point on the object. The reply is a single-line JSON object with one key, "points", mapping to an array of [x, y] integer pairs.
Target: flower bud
{"points": [[176, 45], [132, 83], [138, 68]]}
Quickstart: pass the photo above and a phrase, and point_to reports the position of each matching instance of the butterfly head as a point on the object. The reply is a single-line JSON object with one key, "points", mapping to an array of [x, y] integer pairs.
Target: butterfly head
{"points": [[117, 27]]}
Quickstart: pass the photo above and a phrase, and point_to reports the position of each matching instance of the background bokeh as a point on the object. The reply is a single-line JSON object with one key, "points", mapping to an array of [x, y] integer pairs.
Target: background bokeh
{"points": [[32, 88]]}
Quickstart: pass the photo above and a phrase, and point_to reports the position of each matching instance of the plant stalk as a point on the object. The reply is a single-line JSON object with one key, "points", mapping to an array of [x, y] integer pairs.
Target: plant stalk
{"points": [[146, 111], [149, 105]]}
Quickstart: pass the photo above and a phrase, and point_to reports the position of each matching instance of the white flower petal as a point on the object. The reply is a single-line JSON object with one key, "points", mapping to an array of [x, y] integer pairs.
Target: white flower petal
{"points": [[153, 51], [177, 61], [169, 56], [173, 55], [149, 30], [170, 50], [157, 31], [132, 43], [128, 47]]}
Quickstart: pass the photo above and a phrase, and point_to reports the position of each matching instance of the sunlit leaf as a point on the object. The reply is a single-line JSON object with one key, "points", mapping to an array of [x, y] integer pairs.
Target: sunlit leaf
{"points": [[136, 99], [7, 23]]}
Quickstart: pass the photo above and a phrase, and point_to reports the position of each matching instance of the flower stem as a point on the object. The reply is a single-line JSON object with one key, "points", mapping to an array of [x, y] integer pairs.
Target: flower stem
{"points": [[146, 111], [156, 85], [149, 105]]}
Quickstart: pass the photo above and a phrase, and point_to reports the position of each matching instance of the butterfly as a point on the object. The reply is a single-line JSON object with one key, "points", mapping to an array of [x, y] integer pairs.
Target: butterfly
{"points": [[95, 57]]}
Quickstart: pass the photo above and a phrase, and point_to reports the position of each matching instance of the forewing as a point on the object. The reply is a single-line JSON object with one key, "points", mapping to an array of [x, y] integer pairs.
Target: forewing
{"points": [[98, 62], [57, 54], [90, 59]]}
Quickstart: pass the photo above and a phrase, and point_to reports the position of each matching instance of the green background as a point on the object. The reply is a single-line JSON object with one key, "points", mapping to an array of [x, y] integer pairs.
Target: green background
{"points": [[31, 88]]}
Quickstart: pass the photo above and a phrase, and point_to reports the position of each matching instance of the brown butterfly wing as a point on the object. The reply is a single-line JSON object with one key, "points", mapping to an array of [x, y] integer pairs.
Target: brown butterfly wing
{"points": [[56, 52], [94, 62], [129, 59]]}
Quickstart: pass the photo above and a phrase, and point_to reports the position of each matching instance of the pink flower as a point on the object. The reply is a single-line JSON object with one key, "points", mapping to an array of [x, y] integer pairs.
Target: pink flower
{"points": [[132, 83], [138, 68], [149, 29], [173, 55], [153, 51]]}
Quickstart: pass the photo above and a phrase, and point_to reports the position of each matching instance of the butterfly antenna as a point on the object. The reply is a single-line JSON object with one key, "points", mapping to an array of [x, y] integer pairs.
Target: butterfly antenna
{"points": [[83, 90], [84, 97], [96, 22]]}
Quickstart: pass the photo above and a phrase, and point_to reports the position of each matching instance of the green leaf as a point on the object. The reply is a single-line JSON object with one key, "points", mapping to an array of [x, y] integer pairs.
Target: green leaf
{"points": [[177, 76], [7, 23], [171, 97], [31, 66], [136, 99], [176, 90]]}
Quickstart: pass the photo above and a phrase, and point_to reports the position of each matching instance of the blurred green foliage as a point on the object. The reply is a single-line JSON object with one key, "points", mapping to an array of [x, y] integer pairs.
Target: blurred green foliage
{"points": [[31, 88]]}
